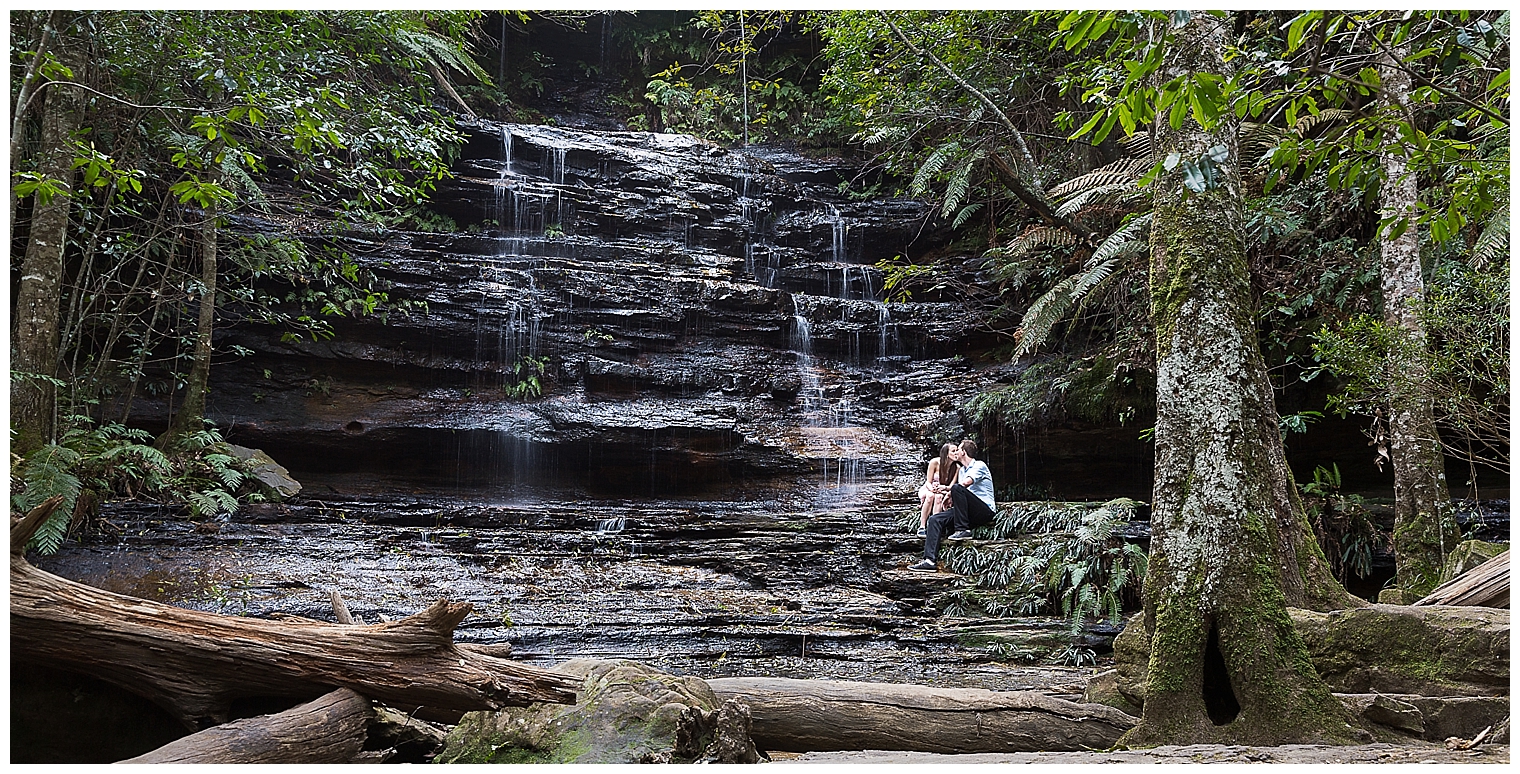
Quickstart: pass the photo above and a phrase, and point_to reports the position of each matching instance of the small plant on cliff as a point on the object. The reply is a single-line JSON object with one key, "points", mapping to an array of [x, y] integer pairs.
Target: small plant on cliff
{"points": [[527, 378]]}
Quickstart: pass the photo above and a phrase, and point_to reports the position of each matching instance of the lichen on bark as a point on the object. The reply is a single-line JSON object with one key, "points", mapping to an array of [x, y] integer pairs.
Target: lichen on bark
{"points": [[1424, 528], [1230, 547]]}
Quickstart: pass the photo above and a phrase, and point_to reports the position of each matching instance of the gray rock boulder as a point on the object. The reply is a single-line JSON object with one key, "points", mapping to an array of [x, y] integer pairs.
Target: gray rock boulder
{"points": [[268, 472]]}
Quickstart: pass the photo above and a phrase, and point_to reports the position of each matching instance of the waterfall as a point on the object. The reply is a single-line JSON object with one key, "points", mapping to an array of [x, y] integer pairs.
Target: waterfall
{"points": [[884, 339], [826, 425]]}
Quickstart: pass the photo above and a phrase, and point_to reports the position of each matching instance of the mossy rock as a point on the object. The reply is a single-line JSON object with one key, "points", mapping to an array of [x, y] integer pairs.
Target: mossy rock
{"points": [[1469, 554], [1435, 650], [627, 713]]}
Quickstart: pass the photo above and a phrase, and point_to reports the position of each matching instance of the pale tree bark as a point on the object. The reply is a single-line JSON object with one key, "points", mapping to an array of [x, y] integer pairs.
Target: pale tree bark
{"points": [[1230, 547], [1424, 528], [38, 300], [192, 413]]}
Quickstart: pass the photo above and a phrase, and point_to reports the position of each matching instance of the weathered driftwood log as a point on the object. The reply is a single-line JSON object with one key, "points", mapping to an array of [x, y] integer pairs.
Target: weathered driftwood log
{"points": [[822, 715], [1486, 585], [329, 730], [194, 664]]}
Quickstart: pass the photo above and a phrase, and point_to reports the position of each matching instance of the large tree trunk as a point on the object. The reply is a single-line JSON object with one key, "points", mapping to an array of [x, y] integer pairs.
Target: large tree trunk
{"points": [[818, 715], [331, 729], [194, 664], [35, 343], [1230, 548], [192, 413], [1424, 529]]}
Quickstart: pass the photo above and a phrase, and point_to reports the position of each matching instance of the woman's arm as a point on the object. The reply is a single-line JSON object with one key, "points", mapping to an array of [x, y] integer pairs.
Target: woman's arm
{"points": [[931, 472]]}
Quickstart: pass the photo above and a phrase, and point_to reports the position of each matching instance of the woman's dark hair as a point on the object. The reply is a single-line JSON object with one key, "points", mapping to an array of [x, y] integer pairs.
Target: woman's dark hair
{"points": [[969, 447], [947, 466]]}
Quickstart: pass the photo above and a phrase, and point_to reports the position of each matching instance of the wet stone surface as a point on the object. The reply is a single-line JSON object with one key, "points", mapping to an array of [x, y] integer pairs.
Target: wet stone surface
{"points": [[711, 590]]}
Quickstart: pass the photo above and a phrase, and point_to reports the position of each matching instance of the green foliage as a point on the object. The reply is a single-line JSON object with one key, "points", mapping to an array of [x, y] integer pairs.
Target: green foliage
{"points": [[1093, 390], [1342, 524], [527, 378], [900, 276], [733, 75], [90, 464], [1069, 557], [1466, 352]]}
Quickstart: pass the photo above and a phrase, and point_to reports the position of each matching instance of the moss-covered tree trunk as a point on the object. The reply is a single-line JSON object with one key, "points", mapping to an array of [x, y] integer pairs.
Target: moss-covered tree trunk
{"points": [[1229, 548], [38, 300], [192, 413], [1424, 530]]}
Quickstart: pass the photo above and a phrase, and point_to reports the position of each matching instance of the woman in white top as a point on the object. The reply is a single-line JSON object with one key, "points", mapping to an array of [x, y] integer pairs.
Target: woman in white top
{"points": [[934, 495]]}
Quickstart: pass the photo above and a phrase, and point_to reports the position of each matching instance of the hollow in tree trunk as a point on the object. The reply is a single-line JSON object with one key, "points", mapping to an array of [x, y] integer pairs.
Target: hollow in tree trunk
{"points": [[1230, 545], [1424, 529]]}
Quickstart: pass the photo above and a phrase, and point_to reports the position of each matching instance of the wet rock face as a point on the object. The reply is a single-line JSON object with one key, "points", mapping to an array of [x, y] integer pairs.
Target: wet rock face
{"points": [[618, 310]]}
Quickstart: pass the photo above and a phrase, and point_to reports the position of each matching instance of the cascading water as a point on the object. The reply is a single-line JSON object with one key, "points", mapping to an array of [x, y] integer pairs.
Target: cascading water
{"points": [[826, 426]]}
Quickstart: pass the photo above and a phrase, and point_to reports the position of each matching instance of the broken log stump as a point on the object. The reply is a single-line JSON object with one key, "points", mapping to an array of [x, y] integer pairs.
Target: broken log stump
{"points": [[825, 715], [194, 664], [330, 729]]}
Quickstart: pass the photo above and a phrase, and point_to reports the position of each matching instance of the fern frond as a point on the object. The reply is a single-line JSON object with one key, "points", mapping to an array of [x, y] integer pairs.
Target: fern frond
{"points": [[957, 188], [1493, 243], [1311, 120], [965, 214], [1033, 239], [1119, 172], [1129, 232], [932, 166], [1138, 146], [428, 45], [1074, 204], [1051, 308]]}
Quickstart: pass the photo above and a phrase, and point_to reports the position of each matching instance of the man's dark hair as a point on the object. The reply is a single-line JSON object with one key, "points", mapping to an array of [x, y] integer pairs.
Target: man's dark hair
{"points": [[969, 446]]}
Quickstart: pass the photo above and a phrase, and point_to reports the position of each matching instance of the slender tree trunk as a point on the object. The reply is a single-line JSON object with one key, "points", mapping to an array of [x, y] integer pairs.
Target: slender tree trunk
{"points": [[1229, 548], [1424, 530], [28, 89], [38, 301], [192, 413]]}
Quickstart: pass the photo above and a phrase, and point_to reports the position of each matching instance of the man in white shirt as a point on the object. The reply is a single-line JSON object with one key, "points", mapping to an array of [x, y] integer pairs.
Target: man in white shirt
{"points": [[973, 505]]}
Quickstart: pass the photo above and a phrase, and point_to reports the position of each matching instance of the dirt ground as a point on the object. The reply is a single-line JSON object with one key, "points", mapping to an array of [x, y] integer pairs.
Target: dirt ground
{"points": [[1415, 752]]}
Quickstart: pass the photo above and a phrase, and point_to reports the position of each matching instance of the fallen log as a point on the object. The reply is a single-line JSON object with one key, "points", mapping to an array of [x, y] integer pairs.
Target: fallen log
{"points": [[194, 664], [1486, 585], [330, 729], [827, 715]]}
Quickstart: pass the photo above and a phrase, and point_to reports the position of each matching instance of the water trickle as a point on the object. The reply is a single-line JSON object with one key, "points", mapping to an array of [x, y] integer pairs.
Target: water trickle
{"points": [[557, 165], [826, 426], [841, 234], [885, 334], [611, 526], [506, 149]]}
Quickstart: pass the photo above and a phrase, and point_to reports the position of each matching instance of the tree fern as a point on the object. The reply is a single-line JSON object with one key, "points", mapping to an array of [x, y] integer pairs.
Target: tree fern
{"points": [[932, 166], [1493, 243], [432, 47], [1051, 308], [1033, 239], [1082, 199], [965, 214], [1123, 171]]}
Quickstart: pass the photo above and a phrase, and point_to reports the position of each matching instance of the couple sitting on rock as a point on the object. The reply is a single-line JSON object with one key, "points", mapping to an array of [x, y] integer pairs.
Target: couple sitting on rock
{"points": [[956, 480]]}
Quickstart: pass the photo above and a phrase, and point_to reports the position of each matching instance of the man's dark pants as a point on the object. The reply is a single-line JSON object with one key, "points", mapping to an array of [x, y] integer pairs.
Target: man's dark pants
{"points": [[969, 511]]}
